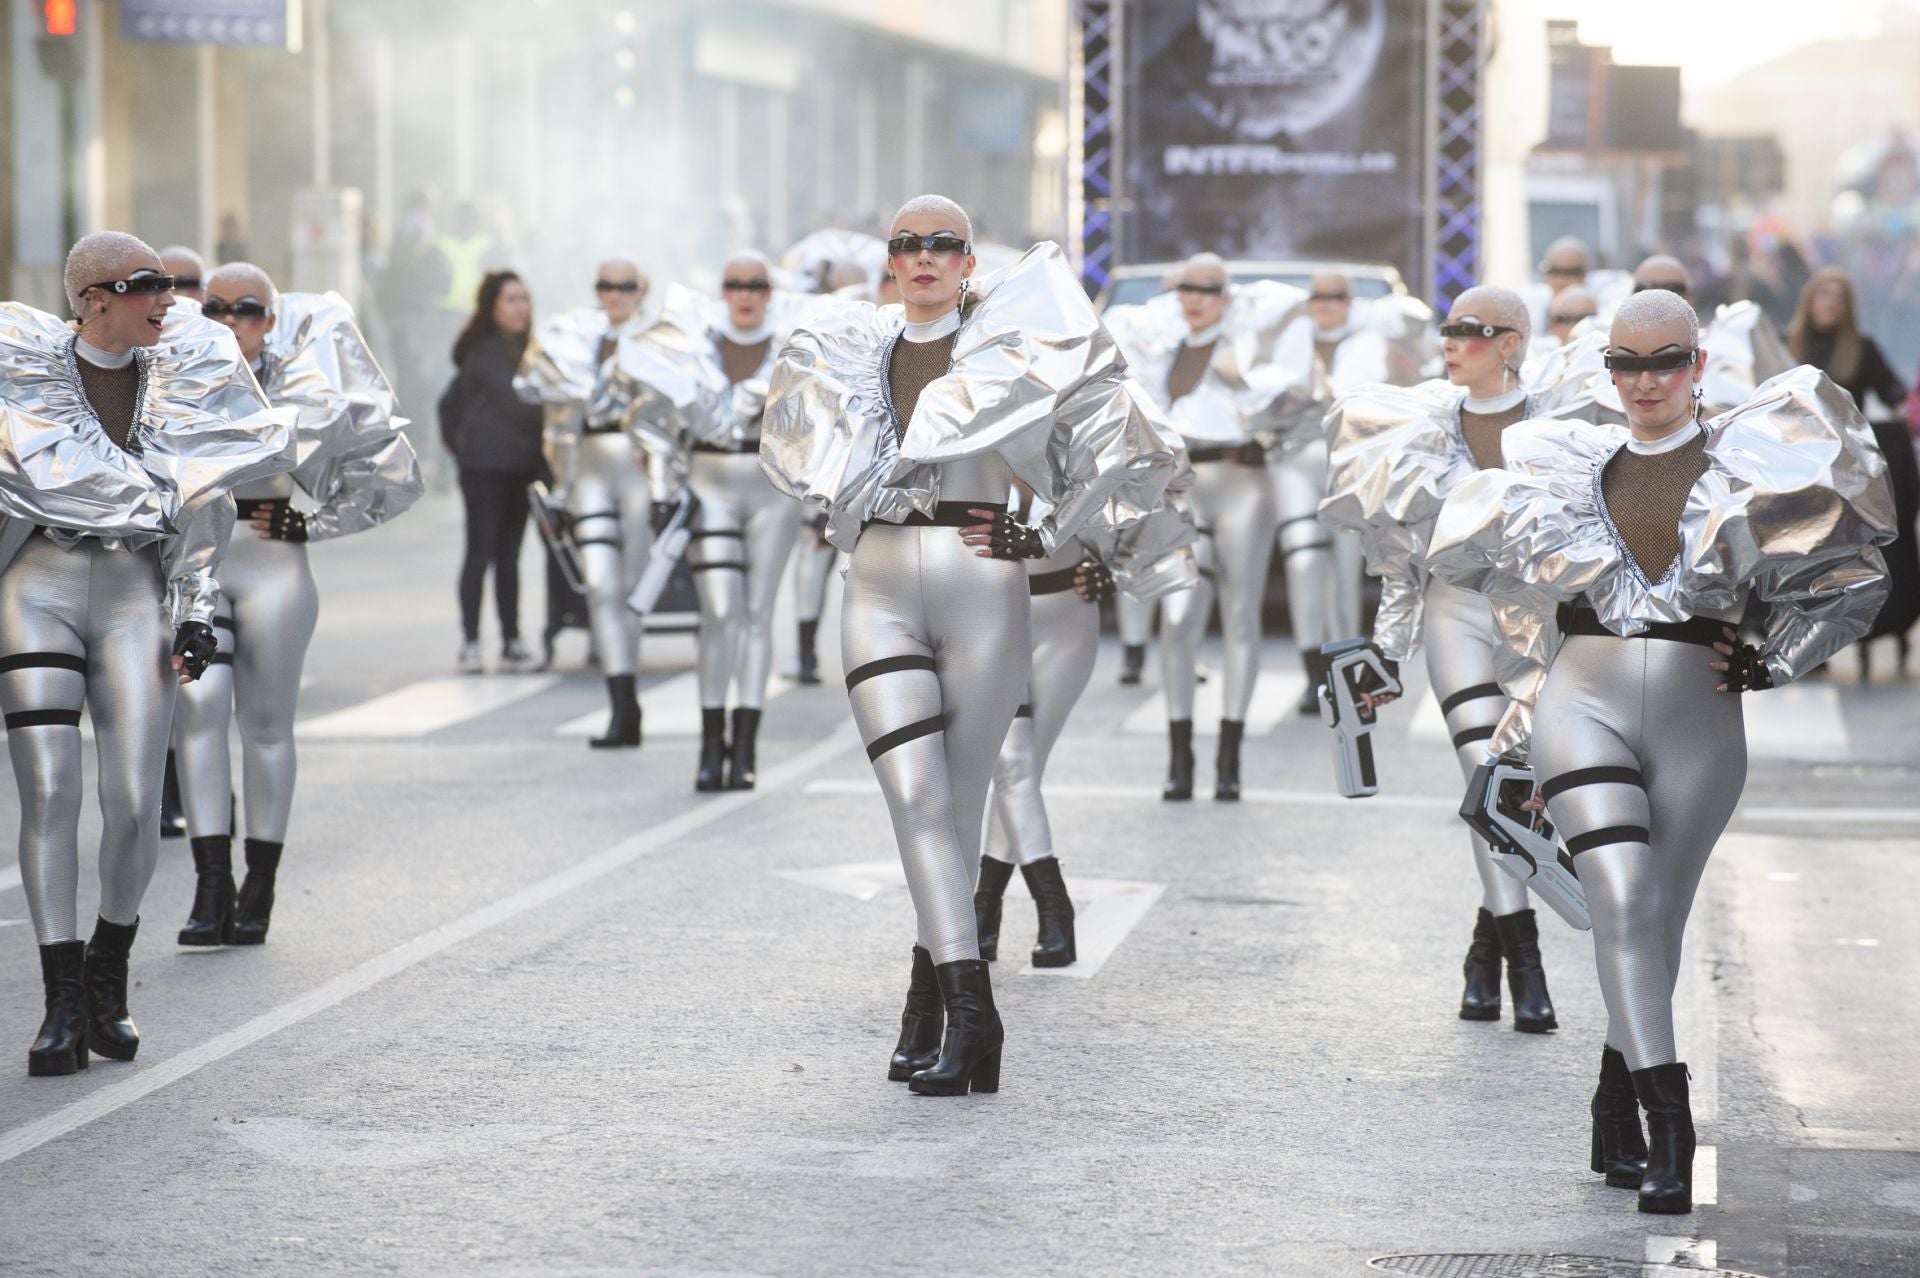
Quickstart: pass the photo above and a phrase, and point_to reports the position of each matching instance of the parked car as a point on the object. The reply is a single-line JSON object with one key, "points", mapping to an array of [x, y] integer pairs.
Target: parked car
{"points": [[1131, 284]]}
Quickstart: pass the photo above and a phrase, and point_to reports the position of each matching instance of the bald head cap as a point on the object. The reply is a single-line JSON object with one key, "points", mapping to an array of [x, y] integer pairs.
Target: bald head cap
{"points": [[941, 206], [242, 279], [1645, 313], [1491, 304], [100, 257]]}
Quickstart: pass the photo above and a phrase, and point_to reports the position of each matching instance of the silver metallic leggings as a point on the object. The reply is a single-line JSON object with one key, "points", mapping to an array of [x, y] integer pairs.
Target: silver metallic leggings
{"points": [[934, 642], [738, 554], [1135, 619], [611, 505], [1066, 639], [1463, 647], [811, 576], [1322, 566], [1233, 505], [85, 626], [268, 611], [1642, 763]]}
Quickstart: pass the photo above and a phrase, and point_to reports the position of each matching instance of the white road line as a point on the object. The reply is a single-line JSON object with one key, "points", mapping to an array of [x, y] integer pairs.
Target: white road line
{"points": [[1670, 1257], [1274, 698], [1706, 1176], [1834, 816], [151, 1078], [671, 708], [1302, 798], [9, 877], [425, 707]]}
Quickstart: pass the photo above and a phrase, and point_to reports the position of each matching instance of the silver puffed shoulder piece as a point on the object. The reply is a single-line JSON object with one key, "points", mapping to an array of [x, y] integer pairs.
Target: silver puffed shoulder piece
{"points": [[1794, 503], [665, 383], [561, 366], [353, 457], [1035, 378], [201, 428]]}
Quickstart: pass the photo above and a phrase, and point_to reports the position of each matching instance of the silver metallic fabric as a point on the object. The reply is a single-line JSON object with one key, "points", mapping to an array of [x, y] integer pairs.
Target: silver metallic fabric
{"points": [[1234, 508], [745, 533], [1323, 566], [353, 457], [609, 501], [665, 382], [1035, 379], [820, 257], [561, 366], [202, 428], [1795, 503], [1743, 350]]}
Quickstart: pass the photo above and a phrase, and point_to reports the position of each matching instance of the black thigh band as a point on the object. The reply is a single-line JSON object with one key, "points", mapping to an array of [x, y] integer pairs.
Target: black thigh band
{"points": [[597, 541], [750, 446], [1704, 631], [1297, 519], [1024, 712], [1248, 454], [886, 665], [946, 514], [1601, 838], [735, 564], [700, 533], [1592, 776], [223, 623], [1467, 736], [1306, 546], [43, 719], [913, 731], [1051, 583], [43, 661], [601, 428], [220, 659], [1478, 692]]}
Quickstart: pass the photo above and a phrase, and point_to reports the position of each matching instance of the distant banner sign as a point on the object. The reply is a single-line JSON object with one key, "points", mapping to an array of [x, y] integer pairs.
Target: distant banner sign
{"points": [[273, 24], [1275, 129]]}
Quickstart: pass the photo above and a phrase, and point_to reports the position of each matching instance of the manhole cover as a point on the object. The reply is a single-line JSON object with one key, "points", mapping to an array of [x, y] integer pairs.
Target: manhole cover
{"points": [[1484, 1265]]}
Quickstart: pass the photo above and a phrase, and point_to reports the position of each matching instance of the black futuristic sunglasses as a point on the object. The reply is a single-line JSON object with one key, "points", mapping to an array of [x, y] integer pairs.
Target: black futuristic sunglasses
{"points": [[1568, 319], [1681, 289], [214, 308], [1662, 362], [745, 286], [1472, 327], [138, 284], [610, 286], [186, 283], [1203, 290], [1329, 297], [943, 243]]}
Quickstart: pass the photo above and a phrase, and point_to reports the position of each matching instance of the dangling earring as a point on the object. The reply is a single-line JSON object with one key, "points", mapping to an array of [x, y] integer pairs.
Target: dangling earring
{"points": [[966, 287]]}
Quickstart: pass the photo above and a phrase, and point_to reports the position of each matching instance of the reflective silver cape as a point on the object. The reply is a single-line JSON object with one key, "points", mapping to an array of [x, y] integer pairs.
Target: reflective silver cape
{"points": [[1794, 503], [353, 458], [201, 428], [1035, 378]]}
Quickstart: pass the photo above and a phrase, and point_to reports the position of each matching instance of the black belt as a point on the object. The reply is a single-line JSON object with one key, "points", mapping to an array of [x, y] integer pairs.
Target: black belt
{"points": [[603, 428], [1250, 454], [946, 514], [248, 507], [751, 446], [1051, 583], [1705, 631]]}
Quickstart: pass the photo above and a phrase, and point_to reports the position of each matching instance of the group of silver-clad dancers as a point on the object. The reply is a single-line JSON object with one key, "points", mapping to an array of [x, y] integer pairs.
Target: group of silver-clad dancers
{"points": [[1572, 526]]}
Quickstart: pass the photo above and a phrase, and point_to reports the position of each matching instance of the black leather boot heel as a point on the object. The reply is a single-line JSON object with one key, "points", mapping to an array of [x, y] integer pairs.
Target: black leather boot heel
{"points": [[1480, 1001], [809, 652], [710, 775], [970, 1052], [61, 1047], [110, 1029], [1226, 761], [987, 901], [1179, 786], [1667, 1189], [254, 910], [210, 922], [1526, 978], [1054, 946], [1619, 1146], [920, 1024], [623, 726], [741, 770]]}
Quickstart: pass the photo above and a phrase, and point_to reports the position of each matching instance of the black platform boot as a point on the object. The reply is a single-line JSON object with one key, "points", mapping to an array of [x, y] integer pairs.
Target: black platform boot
{"points": [[741, 772], [1315, 662], [1226, 761], [1179, 760], [110, 1030], [173, 813], [254, 909], [809, 652], [970, 1052], [1526, 978], [1053, 947], [211, 920], [920, 1024], [61, 1047], [994, 876], [1619, 1146], [713, 750], [1667, 1188], [1133, 660], [1481, 999], [623, 729]]}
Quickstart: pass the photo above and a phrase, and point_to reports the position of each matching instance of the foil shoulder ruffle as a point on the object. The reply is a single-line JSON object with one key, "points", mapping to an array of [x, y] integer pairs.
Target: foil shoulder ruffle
{"points": [[561, 366], [665, 382]]}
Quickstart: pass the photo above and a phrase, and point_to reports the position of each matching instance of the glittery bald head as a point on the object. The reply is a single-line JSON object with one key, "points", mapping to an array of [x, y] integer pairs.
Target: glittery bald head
{"points": [[1662, 270], [939, 206], [1491, 304], [1648, 321], [232, 281], [104, 256]]}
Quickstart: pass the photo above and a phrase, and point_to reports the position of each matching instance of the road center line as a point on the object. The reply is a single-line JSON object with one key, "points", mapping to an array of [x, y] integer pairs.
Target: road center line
{"points": [[70, 1117]]}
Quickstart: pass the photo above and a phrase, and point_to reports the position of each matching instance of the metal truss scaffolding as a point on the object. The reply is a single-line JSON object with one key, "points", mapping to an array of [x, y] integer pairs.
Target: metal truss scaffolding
{"points": [[1458, 29], [1093, 123]]}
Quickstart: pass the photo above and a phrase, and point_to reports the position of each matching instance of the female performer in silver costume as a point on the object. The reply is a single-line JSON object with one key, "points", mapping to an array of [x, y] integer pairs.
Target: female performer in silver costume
{"points": [[1647, 542], [881, 423], [701, 393], [360, 471], [602, 477], [1394, 456], [118, 446]]}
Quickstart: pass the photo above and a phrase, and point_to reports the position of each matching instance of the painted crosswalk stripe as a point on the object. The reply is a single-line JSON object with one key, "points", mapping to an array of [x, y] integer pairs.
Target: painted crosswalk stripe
{"points": [[420, 709], [1274, 698]]}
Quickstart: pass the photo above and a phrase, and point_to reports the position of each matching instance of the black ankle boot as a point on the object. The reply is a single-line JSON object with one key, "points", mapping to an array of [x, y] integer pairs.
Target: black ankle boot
{"points": [[809, 652], [211, 920], [1619, 1146], [1667, 1188], [1179, 760], [1315, 663], [994, 876], [1133, 660], [713, 750], [970, 1052], [254, 909], [173, 814], [61, 1047], [1526, 978], [1226, 760], [110, 1030], [623, 729], [920, 1024], [1481, 999], [1053, 947], [741, 772]]}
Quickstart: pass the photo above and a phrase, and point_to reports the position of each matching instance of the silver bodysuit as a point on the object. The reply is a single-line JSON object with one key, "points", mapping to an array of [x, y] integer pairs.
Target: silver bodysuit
{"points": [[1234, 510]]}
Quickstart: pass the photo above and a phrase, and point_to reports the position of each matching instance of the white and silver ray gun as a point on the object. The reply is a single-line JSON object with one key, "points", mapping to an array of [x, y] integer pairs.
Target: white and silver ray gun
{"points": [[669, 543], [1523, 842], [1355, 670], [551, 522]]}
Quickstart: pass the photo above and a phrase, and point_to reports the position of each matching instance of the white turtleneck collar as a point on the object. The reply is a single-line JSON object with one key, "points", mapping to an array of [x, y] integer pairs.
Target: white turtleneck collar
{"points": [[1666, 443], [1340, 334], [1205, 336], [934, 329], [746, 336], [101, 359], [1497, 403]]}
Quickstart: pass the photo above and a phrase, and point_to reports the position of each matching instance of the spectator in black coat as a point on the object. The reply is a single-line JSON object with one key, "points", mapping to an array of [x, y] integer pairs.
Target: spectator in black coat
{"points": [[494, 436], [1826, 333]]}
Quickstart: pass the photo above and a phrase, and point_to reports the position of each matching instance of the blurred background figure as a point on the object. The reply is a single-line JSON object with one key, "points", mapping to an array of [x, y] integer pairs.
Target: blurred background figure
{"points": [[1663, 270], [1570, 306], [1825, 332], [189, 271]]}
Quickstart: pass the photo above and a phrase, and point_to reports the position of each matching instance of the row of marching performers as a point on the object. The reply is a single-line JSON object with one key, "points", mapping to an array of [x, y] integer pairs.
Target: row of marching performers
{"points": [[165, 458]]}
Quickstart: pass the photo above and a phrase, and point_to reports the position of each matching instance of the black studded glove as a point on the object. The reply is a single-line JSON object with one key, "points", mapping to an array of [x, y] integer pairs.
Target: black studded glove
{"points": [[1014, 540], [286, 524], [1096, 584], [1747, 670], [195, 641]]}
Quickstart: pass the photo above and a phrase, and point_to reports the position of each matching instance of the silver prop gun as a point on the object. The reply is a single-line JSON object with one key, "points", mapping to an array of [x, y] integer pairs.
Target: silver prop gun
{"points": [[1522, 842], [1354, 667], [669, 543], [551, 522]]}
